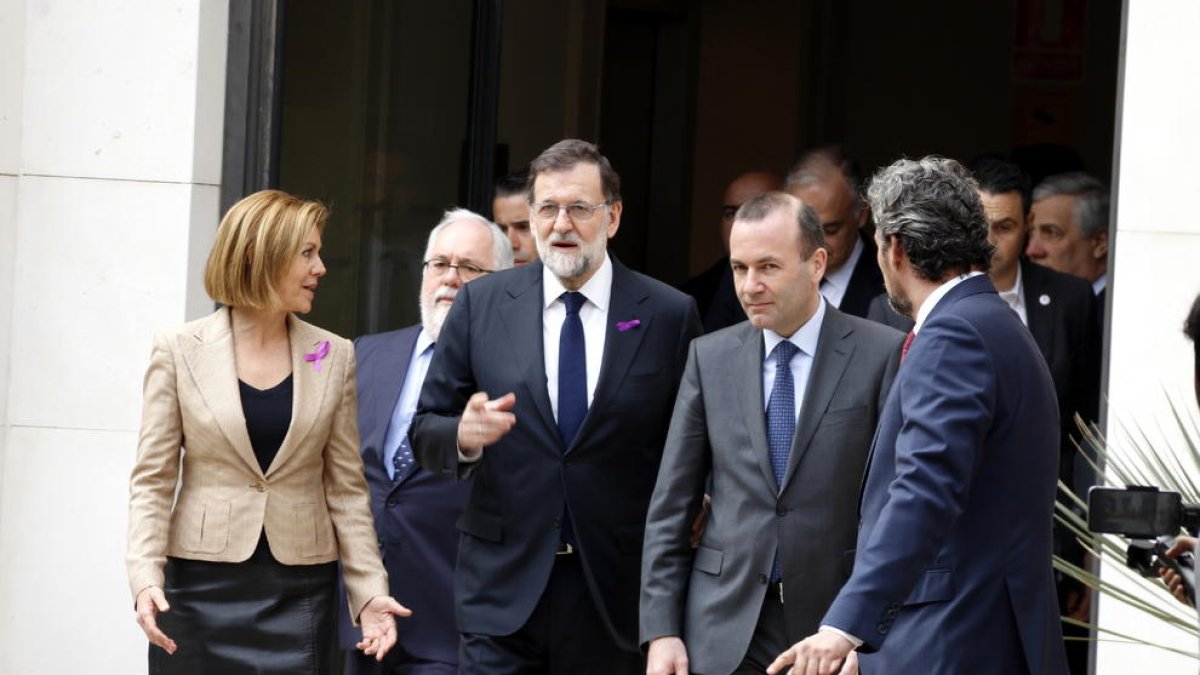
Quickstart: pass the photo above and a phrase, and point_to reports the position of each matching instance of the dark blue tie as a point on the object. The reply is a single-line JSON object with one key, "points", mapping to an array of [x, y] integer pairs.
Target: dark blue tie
{"points": [[781, 421], [572, 371]]}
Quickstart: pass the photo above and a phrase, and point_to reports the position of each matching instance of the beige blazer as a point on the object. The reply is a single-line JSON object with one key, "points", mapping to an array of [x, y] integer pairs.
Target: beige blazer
{"points": [[313, 500]]}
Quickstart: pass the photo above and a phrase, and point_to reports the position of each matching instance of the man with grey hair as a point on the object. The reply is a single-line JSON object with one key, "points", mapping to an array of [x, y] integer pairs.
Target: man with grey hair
{"points": [[415, 510], [776, 414], [952, 570], [553, 386], [1069, 227], [826, 179]]}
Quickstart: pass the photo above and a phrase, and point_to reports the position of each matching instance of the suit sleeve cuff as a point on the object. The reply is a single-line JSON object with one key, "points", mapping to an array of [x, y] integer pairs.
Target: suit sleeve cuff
{"points": [[838, 631]]}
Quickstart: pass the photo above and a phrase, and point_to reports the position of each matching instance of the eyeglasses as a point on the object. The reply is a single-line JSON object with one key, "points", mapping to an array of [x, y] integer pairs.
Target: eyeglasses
{"points": [[728, 211], [436, 267], [579, 212]]}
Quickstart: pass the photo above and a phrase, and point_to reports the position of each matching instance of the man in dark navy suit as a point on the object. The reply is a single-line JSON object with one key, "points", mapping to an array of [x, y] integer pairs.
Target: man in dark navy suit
{"points": [[952, 572], [827, 180], [415, 510], [553, 385]]}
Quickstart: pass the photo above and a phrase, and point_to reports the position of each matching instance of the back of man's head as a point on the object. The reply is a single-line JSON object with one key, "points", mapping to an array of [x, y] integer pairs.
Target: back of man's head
{"points": [[515, 183], [930, 207]]}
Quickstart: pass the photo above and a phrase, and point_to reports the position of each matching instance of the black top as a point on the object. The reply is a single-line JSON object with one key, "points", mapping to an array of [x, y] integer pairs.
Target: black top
{"points": [[268, 414]]}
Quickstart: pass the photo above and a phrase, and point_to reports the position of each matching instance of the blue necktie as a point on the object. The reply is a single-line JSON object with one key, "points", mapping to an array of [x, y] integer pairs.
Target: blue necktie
{"points": [[781, 421], [572, 387], [572, 371], [402, 461]]}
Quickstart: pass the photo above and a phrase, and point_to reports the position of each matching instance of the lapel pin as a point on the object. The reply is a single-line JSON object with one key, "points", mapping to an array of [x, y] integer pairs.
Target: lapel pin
{"points": [[623, 326], [1044, 300], [316, 355]]}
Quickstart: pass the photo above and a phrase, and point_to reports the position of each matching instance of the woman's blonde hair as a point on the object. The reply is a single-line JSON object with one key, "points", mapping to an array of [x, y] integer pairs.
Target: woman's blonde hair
{"points": [[257, 240]]}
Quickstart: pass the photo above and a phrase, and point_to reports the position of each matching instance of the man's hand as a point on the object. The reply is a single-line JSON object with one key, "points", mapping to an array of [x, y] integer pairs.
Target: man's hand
{"points": [[150, 601], [1173, 581], [667, 656], [822, 653], [484, 422], [378, 623]]}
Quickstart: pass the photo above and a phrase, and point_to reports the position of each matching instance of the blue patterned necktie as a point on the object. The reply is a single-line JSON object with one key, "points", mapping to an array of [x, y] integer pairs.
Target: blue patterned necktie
{"points": [[402, 461], [781, 422], [572, 371]]}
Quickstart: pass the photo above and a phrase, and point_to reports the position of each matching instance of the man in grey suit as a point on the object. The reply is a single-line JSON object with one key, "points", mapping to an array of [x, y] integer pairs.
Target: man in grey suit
{"points": [[779, 541]]}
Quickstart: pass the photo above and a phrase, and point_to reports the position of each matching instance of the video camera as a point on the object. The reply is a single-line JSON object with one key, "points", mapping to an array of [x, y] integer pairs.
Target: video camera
{"points": [[1150, 518]]}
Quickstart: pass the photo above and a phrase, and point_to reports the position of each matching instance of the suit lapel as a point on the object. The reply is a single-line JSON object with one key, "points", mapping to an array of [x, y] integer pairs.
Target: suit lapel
{"points": [[521, 314], [308, 387], [748, 367], [385, 378], [210, 358], [1040, 315], [829, 364], [626, 305]]}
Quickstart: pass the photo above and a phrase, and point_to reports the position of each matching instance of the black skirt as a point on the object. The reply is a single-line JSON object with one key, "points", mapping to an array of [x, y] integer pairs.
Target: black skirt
{"points": [[257, 616]]}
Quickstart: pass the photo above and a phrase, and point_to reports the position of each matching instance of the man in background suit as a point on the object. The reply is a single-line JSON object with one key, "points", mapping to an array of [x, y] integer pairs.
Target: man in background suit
{"points": [[827, 180], [781, 528], [553, 385], [414, 509], [952, 572], [713, 288]]}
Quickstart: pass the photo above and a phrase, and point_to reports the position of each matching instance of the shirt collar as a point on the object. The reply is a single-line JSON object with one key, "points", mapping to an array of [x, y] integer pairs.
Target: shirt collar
{"points": [[597, 290], [805, 338], [841, 278], [1099, 284], [1014, 294], [424, 341], [936, 296]]}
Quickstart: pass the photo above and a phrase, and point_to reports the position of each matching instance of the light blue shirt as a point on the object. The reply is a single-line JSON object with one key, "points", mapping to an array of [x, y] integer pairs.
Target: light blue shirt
{"points": [[406, 406], [805, 340]]}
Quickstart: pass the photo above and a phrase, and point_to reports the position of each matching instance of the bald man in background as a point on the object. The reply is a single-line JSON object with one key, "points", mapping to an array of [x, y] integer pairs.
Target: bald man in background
{"points": [[713, 288], [827, 180]]}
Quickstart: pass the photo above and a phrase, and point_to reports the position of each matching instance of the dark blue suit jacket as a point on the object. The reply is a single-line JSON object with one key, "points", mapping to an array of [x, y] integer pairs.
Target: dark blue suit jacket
{"points": [[492, 342], [953, 567], [414, 518]]}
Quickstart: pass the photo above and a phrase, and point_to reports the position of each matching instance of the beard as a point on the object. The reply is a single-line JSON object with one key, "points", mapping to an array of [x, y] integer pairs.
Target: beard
{"points": [[575, 264], [433, 313], [901, 306]]}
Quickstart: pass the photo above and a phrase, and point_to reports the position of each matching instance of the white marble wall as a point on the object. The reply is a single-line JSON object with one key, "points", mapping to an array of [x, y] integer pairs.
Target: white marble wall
{"points": [[110, 138], [1157, 270]]}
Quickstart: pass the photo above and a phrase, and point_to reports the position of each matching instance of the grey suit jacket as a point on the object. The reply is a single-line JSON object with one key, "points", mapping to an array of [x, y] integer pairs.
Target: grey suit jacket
{"points": [[711, 596]]}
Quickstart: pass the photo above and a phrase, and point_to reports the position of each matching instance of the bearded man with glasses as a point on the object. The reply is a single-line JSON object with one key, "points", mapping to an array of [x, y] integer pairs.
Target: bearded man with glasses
{"points": [[415, 510], [553, 386]]}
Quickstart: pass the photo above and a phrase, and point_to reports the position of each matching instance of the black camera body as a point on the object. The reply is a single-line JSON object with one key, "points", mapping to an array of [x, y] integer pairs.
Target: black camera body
{"points": [[1151, 519]]}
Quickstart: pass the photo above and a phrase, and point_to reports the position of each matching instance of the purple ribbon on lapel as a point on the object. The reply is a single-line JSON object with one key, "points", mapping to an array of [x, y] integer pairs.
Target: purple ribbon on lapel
{"points": [[623, 326], [317, 354]]}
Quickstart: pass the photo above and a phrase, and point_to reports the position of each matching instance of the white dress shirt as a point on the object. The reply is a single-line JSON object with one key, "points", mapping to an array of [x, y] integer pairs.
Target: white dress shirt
{"points": [[805, 340], [1099, 284], [835, 284], [593, 314], [1015, 297]]}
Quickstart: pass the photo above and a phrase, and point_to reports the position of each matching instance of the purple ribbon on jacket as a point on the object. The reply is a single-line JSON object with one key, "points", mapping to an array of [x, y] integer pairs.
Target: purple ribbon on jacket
{"points": [[317, 354], [623, 326]]}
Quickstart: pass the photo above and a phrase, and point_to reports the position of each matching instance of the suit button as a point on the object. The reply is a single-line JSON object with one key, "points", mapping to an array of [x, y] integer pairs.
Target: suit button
{"points": [[780, 510], [558, 522], [762, 579], [566, 463], [391, 502]]}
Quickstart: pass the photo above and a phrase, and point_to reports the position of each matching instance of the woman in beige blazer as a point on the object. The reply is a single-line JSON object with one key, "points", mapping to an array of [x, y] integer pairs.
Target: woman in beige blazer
{"points": [[248, 486]]}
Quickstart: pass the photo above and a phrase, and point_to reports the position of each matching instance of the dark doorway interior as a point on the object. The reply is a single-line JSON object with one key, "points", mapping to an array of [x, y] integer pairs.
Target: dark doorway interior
{"points": [[376, 116]]}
